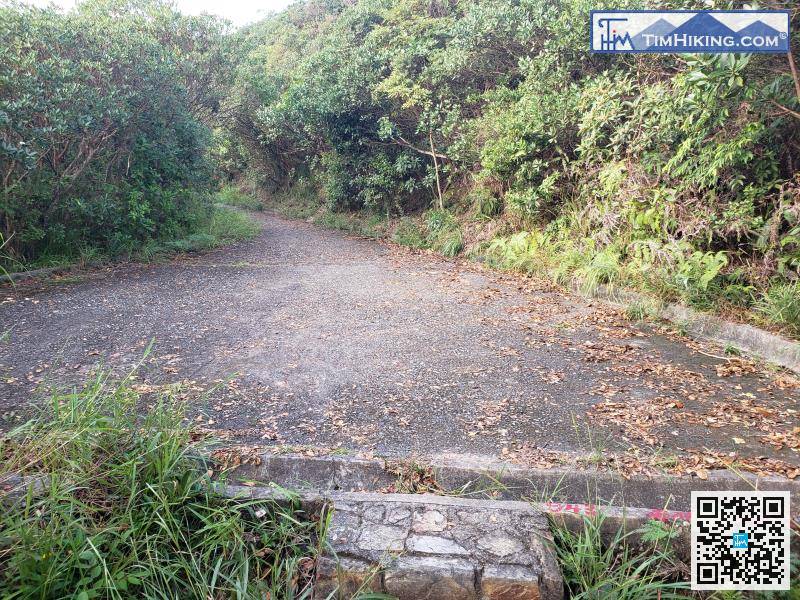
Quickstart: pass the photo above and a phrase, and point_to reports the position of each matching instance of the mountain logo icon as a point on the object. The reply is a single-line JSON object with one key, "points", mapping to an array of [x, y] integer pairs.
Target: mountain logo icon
{"points": [[711, 31]]}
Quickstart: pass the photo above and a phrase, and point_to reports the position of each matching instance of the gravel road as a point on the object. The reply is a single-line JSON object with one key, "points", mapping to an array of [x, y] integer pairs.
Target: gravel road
{"points": [[335, 341]]}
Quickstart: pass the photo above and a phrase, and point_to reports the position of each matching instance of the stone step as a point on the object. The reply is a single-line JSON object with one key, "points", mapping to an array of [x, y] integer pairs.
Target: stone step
{"points": [[423, 546], [491, 478]]}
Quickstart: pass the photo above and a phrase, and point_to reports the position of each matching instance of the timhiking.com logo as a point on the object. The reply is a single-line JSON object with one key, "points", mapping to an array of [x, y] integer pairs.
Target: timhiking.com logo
{"points": [[711, 31]]}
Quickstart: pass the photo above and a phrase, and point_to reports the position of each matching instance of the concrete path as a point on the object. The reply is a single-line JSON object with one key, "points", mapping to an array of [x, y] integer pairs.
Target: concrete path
{"points": [[336, 342]]}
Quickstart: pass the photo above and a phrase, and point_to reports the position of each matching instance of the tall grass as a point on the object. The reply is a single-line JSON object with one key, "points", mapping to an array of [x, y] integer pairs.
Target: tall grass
{"points": [[444, 232], [125, 511], [618, 569], [781, 305], [232, 196], [224, 226]]}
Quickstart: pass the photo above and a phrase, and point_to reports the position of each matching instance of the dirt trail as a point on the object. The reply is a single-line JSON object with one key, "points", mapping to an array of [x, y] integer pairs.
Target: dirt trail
{"points": [[336, 341]]}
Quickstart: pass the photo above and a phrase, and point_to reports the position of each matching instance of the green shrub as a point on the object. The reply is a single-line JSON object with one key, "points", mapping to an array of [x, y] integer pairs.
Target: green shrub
{"points": [[641, 310], [526, 251], [696, 277], [225, 225], [232, 196], [101, 146]]}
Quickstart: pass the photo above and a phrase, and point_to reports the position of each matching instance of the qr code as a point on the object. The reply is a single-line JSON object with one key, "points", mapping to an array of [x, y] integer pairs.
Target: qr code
{"points": [[740, 540]]}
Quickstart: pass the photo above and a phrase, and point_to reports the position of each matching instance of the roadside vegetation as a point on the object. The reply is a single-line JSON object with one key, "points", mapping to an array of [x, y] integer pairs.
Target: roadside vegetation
{"points": [[230, 195], [105, 121], [115, 505], [224, 225], [633, 565], [125, 510], [484, 129], [488, 129]]}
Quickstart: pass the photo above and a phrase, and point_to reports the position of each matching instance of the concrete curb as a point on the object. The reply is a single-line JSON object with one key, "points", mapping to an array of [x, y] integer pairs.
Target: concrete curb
{"points": [[35, 274], [622, 505], [414, 546], [479, 477], [750, 339], [612, 519]]}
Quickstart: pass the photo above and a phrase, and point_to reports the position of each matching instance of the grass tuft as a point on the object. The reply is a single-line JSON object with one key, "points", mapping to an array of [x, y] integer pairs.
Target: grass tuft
{"points": [[781, 305], [229, 225], [619, 569], [127, 512], [409, 234], [226, 225], [233, 196], [444, 233]]}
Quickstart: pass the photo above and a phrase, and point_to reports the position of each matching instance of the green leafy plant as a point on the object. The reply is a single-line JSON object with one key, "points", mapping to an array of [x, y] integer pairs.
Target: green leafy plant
{"points": [[126, 510], [781, 305], [617, 568]]}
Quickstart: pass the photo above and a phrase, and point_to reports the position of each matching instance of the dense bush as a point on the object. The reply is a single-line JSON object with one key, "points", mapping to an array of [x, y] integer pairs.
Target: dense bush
{"points": [[103, 133], [679, 172]]}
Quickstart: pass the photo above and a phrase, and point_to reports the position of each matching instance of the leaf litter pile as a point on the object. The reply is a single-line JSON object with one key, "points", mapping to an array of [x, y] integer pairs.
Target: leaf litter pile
{"points": [[681, 398]]}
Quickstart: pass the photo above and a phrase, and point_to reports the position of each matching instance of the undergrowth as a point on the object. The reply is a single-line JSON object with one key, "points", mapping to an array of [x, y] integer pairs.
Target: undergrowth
{"points": [[230, 195], [125, 511], [663, 271], [444, 232], [781, 305], [302, 201], [224, 225], [620, 569]]}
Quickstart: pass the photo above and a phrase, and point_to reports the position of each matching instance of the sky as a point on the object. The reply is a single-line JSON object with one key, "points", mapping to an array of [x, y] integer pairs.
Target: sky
{"points": [[240, 12]]}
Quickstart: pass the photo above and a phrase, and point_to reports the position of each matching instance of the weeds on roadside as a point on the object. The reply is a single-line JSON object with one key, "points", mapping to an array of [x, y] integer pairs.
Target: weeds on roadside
{"points": [[620, 569], [226, 225], [409, 234], [232, 196], [641, 310], [781, 305], [125, 511], [731, 350], [444, 232]]}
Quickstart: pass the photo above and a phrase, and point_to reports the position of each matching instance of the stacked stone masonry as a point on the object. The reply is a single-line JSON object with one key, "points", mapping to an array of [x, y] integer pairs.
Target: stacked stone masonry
{"points": [[417, 547]]}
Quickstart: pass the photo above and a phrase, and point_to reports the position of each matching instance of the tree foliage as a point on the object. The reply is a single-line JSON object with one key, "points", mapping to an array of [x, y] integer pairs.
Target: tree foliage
{"points": [[647, 158], [103, 124], [680, 169]]}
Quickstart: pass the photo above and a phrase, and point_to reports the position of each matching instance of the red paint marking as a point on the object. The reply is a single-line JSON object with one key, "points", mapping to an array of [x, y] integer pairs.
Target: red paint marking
{"points": [[590, 510], [578, 509], [659, 514]]}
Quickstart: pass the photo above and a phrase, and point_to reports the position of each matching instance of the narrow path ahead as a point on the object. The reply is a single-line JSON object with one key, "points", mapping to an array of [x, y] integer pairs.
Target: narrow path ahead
{"points": [[342, 341]]}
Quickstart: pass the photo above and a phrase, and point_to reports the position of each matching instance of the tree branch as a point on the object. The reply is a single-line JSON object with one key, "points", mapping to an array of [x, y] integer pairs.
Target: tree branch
{"points": [[795, 114], [403, 142], [793, 69]]}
